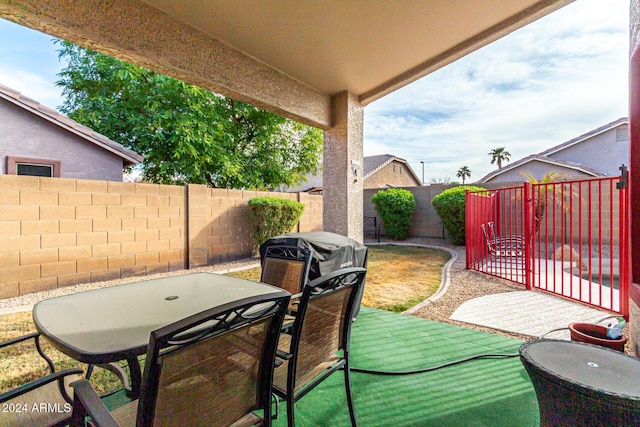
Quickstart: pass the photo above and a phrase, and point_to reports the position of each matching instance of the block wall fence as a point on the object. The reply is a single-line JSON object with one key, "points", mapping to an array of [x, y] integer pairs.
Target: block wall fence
{"points": [[57, 232], [426, 221]]}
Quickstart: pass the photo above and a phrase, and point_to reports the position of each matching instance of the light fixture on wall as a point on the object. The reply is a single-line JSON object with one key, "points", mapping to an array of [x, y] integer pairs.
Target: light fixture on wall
{"points": [[355, 167]]}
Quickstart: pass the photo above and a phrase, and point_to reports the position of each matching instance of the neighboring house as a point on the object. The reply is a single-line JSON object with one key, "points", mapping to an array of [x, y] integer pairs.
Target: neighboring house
{"points": [[381, 171], [36, 140], [596, 153]]}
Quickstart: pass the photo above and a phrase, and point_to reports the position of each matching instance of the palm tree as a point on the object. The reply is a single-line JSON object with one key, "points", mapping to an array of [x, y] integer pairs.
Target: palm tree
{"points": [[464, 172], [499, 155], [547, 193]]}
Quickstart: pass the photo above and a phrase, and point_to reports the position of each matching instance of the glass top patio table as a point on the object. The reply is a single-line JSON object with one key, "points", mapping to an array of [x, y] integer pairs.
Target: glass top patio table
{"points": [[112, 324]]}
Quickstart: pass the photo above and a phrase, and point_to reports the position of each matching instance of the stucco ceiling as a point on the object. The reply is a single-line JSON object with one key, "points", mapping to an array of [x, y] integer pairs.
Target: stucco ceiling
{"points": [[367, 47]]}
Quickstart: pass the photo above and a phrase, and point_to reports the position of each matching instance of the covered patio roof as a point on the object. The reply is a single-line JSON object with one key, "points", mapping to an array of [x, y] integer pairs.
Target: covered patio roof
{"points": [[286, 56]]}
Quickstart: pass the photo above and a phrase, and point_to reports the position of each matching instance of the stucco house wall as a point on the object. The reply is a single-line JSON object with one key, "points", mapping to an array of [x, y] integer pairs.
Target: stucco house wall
{"points": [[23, 134], [394, 173], [597, 153], [537, 170], [604, 152], [33, 134]]}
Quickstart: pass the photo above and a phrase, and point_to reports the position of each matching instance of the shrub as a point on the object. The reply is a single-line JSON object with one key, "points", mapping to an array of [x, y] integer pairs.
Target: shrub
{"points": [[271, 216], [450, 205], [395, 206]]}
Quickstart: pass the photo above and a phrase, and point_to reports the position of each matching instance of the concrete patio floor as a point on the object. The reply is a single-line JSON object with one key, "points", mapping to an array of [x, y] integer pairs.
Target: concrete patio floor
{"points": [[527, 312]]}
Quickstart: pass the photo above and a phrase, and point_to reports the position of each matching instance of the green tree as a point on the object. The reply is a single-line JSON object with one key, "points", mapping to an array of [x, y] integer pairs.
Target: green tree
{"points": [[186, 134], [499, 155], [464, 172]]}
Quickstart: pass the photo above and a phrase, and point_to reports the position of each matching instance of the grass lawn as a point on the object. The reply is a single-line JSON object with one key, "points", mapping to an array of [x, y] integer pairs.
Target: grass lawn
{"points": [[398, 277]]}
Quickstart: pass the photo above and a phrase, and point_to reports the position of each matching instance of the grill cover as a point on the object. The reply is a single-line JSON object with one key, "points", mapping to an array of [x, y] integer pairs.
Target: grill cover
{"points": [[329, 252]]}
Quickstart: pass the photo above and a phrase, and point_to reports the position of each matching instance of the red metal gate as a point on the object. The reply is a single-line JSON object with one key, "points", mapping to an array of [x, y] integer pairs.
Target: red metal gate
{"points": [[569, 238]]}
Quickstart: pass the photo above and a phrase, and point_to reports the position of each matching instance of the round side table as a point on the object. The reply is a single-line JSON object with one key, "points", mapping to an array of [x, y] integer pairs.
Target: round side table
{"points": [[581, 384]]}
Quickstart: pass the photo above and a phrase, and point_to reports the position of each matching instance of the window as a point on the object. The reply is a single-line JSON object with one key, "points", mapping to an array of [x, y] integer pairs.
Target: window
{"points": [[33, 167], [34, 170]]}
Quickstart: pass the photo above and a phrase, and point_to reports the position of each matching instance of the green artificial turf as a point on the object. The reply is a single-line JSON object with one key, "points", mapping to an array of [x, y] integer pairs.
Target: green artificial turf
{"points": [[485, 392], [491, 392]]}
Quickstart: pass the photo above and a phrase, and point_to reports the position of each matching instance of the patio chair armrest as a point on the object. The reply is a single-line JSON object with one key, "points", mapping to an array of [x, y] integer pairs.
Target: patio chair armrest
{"points": [[283, 355], [87, 402], [16, 340], [36, 340], [32, 385]]}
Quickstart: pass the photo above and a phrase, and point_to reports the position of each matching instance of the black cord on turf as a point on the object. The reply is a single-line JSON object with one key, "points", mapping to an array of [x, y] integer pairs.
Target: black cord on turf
{"points": [[431, 368]]}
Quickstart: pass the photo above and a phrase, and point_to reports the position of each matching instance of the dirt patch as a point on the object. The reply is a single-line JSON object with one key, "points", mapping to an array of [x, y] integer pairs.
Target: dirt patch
{"points": [[401, 276]]}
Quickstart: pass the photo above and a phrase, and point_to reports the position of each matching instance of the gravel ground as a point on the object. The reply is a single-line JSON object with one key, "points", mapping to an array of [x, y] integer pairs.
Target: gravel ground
{"points": [[464, 285]]}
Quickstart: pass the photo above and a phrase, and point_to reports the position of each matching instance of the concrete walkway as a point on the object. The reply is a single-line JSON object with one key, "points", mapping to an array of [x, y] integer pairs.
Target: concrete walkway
{"points": [[528, 312]]}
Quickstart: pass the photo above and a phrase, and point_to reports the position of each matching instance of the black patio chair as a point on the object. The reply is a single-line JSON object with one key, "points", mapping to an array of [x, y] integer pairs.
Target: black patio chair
{"points": [[321, 329], [45, 401], [287, 267], [214, 368]]}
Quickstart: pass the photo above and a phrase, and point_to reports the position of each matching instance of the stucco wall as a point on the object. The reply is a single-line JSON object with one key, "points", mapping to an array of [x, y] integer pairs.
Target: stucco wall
{"points": [[24, 134], [56, 232], [395, 173], [600, 152]]}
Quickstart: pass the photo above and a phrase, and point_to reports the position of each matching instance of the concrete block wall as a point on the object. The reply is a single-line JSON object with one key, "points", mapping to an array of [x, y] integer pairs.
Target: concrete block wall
{"points": [[219, 228], [426, 222], [56, 232], [311, 219]]}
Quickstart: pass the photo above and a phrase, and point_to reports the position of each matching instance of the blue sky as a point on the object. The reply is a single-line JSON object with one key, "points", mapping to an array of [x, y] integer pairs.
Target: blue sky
{"points": [[555, 79]]}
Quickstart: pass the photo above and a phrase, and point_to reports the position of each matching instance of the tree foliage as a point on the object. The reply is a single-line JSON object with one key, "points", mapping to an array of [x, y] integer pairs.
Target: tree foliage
{"points": [[395, 206], [464, 172], [546, 193], [186, 134], [450, 206], [499, 155]]}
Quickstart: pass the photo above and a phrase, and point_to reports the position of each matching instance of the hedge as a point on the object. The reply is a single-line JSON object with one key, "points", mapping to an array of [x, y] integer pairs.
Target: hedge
{"points": [[450, 205], [395, 206], [271, 216]]}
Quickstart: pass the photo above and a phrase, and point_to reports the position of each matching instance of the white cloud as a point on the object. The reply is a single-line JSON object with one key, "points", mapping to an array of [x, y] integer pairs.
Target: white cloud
{"points": [[31, 85], [555, 79]]}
